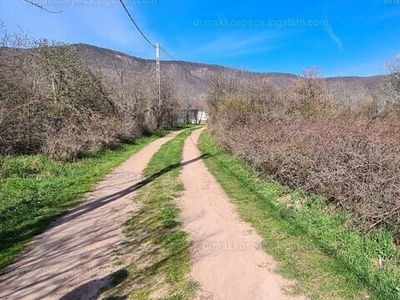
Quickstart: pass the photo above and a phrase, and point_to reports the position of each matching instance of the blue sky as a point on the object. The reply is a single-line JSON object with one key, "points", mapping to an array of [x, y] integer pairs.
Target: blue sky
{"points": [[343, 37]]}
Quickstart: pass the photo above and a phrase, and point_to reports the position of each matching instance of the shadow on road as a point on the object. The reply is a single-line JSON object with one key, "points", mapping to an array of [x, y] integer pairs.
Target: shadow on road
{"points": [[90, 290]]}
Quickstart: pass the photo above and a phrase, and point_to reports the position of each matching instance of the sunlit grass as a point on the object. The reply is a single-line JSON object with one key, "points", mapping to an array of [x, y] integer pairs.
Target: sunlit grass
{"points": [[156, 253], [35, 190]]}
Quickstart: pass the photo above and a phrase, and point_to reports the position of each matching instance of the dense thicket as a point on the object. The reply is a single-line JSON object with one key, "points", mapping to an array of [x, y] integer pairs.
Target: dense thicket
{"points": [[52, 103], [340, 141]]}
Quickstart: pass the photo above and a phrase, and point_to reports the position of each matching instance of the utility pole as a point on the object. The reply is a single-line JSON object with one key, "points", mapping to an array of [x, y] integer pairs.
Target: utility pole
{"points": [[158, 74]]}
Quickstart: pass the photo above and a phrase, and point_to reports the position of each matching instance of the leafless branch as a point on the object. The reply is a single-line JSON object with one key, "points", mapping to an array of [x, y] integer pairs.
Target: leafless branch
{"points": [[43, 8]]}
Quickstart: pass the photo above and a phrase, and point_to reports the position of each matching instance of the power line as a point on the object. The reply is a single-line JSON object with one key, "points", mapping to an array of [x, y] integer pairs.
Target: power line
{"points": [[162, 49], [136, 25], [170, 56]]}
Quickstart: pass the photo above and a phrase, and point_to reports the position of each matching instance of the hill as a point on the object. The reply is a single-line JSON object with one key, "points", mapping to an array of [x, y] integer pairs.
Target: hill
{"points": [[188, 85]]}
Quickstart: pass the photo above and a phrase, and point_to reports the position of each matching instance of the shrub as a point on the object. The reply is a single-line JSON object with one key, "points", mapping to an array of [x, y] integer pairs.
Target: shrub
{"points": [[52, 103], [356, 168], [346, 150]]}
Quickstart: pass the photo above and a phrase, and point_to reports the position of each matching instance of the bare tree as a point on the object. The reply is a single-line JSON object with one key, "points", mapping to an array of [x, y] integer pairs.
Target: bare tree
{"points": [[236, 98], [130, 93], [50, 101], [164, 106], [391, 85], [263, 96], [352, 97], [42, 7], [19, 95], [309, 94], [226, 83]]}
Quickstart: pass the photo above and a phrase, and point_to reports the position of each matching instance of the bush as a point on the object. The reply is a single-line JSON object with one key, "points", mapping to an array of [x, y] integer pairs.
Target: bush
{"points": [[345, 150], [54, 104], [353, 167]]}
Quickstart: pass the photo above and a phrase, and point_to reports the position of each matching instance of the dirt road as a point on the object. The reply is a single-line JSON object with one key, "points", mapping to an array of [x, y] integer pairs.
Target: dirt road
{"points": [[227, 260], [73, 259]]}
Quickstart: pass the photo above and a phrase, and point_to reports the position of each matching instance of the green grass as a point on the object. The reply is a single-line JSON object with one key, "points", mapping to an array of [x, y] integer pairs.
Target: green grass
{"points": [[157, 254], [35, 190], [312, 242]]}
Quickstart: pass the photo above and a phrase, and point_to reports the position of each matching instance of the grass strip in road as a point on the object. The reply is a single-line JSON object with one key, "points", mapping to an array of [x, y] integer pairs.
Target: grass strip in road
{"points": [[314, 244], [35, 190], [156, 255]]}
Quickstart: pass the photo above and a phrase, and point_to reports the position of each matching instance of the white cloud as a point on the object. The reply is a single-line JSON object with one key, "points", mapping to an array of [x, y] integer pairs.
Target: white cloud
{"points": [[334, 37], [234, 45]]}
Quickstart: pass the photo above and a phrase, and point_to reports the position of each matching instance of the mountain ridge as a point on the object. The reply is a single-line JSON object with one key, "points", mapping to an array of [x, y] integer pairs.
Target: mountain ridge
{"points": [[98, 57]]}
